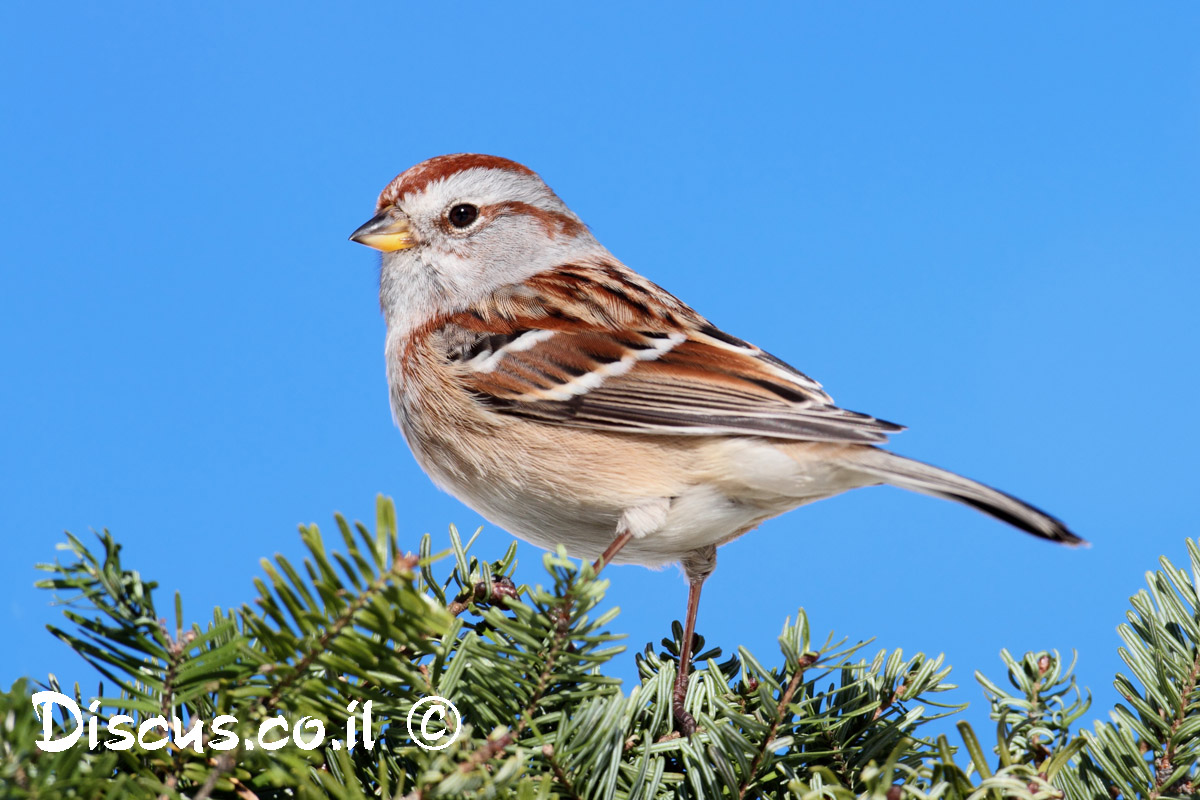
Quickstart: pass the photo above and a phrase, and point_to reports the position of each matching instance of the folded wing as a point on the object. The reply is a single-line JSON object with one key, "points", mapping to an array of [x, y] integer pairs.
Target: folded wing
{"points": [[600, 348]]}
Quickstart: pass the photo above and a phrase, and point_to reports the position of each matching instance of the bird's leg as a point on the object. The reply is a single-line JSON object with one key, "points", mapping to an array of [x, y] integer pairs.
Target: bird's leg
{"points": [[613, 548], [685, 721], [698, 565], [635, 522]]}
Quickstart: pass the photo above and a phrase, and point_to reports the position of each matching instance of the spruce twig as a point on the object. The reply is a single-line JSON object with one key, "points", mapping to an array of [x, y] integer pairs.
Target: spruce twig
{"points": [[369, 623]]}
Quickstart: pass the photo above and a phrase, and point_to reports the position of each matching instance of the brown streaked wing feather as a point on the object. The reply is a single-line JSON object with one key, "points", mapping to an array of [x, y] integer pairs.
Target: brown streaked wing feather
{"points": [[562, 351]]}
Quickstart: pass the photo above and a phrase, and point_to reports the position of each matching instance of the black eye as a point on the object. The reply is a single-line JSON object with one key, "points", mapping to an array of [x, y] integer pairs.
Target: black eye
{"points": [[463, 215]]}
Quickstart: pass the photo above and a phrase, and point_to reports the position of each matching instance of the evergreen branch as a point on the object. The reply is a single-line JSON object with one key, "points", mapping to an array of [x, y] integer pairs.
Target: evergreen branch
{"points": [[805, 661], [561, 631], [493, 592], [491, 749], [371, 624], [559, 773], [223, 764], [398, 569], [1165, 767], [176, 653], [841, 768]]}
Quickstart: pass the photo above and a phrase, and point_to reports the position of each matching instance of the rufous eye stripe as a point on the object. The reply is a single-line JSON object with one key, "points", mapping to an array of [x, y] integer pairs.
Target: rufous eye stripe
{"points": [[555, 223]]}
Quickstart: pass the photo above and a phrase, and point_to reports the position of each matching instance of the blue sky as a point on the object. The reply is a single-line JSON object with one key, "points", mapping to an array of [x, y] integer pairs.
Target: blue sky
{"points": [[977, 220]]}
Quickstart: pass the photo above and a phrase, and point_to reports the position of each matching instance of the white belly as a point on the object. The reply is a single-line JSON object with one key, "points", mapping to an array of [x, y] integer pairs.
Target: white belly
{"points": [[735, 486]]}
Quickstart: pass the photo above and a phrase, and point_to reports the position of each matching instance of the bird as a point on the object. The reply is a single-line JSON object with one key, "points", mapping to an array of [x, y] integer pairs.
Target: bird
{"points": [[571, 401]]}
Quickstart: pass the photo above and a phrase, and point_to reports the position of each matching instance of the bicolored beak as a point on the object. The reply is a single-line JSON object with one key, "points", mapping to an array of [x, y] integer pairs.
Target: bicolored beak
{"points": [[387, 231]]}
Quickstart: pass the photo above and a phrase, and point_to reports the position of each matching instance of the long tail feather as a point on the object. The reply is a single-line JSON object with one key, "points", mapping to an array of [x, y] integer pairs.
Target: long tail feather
{"points": [[927, 479]]}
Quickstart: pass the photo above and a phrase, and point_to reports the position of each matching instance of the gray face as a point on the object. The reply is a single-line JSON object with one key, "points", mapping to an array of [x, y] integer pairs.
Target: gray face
{"points": [[472, 232]]}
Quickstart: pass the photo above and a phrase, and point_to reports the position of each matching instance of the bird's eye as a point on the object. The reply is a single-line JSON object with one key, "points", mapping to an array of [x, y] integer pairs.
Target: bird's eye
{"points": [[463, 215]]}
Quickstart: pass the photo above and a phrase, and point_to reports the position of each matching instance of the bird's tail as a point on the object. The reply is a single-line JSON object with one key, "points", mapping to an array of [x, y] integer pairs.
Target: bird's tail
{"points": [[927, 479]]}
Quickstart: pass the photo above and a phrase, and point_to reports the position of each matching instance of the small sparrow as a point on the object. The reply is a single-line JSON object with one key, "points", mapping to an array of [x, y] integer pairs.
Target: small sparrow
{"points": [[571, 401]]}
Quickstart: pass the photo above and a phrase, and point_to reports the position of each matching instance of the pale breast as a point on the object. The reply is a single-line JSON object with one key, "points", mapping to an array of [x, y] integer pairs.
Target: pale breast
{"points": [[551, 484]]}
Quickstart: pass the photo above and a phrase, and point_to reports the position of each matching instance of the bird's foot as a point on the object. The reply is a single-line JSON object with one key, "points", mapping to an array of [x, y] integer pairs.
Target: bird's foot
{"points": [[502, 587], [684, 722]]}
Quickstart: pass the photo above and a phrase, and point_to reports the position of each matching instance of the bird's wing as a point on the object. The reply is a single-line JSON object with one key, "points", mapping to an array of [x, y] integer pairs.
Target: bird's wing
{"points": [[600, 347]]}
